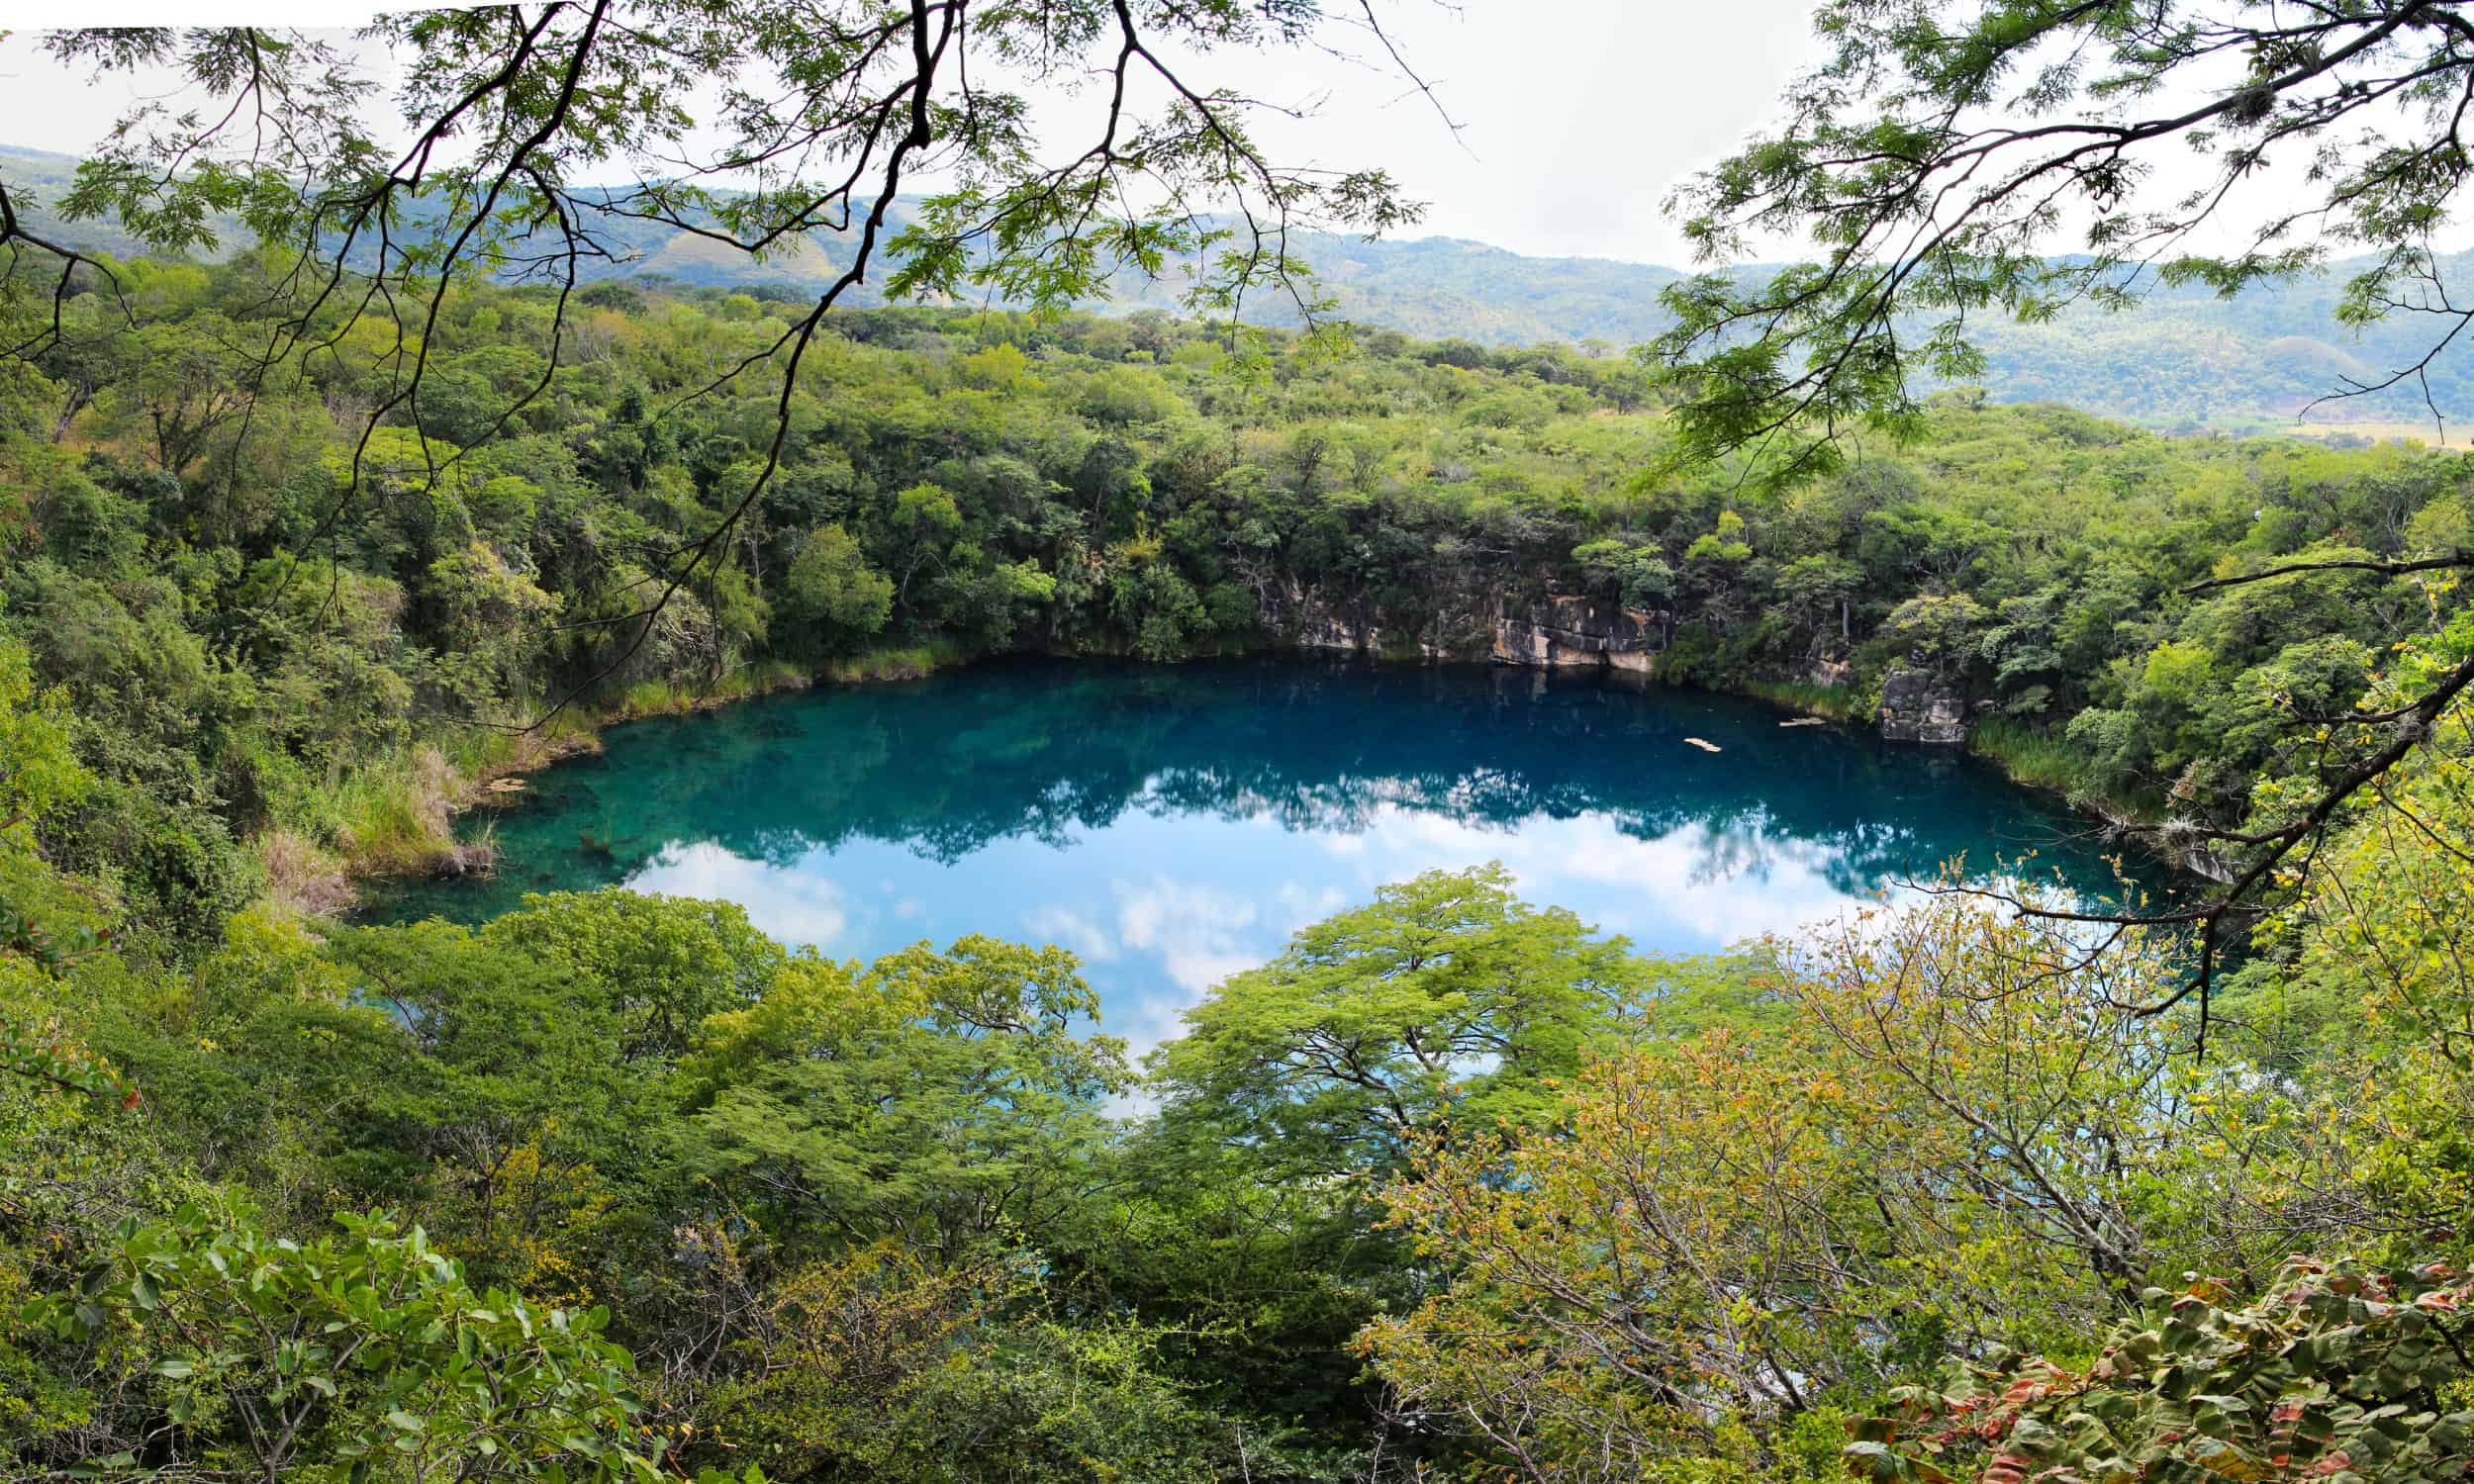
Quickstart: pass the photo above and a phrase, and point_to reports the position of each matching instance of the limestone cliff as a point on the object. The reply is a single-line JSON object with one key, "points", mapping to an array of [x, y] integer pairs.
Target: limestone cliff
{"points": [[1918, 706], [1558, 632], [1589, 632]]}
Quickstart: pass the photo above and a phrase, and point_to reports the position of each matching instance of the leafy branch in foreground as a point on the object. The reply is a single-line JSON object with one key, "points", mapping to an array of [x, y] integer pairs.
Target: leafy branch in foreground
{"points": [[1942, 154], [1945, 151], [2277, 850], [45, 1058]]}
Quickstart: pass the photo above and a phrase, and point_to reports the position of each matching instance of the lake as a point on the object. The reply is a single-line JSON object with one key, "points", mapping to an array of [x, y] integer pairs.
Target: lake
{"points": [[1172, 824]]}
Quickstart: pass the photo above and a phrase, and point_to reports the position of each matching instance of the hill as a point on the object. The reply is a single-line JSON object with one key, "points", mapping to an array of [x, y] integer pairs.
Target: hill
{"points": [[2185, 361]]}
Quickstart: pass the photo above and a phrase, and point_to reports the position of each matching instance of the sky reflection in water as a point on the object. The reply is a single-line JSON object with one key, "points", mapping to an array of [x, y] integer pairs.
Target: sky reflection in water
{"points": [[1172, 826]]}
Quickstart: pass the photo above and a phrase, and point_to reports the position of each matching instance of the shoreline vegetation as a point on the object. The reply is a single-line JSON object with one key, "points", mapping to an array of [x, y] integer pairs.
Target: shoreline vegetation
{"points": [[963, 482], [397, 817]]}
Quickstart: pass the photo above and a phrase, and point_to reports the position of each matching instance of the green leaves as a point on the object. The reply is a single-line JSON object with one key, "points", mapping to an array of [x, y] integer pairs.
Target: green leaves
{"points": [[350, 1348], [951, 1099], [38, 772], [1949, 164], [1446, 1000], [832, 599], [662, 965], [2327, 1373]]}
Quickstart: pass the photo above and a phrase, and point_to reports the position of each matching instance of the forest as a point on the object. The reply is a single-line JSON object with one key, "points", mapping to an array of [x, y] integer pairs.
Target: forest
{"points": [[615, 1182], [336, 495], [2190, 362]]}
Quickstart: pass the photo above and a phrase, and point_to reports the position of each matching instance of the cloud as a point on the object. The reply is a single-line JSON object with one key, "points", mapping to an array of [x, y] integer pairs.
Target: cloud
{"points": [[1198, 932], [1692, 882], [1304, 909], [1197, 936], [1070, 929], [797, 905]]}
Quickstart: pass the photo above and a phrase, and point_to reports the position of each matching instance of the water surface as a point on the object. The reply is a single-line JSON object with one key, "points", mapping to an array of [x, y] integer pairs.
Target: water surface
{"points": [[1172, 824]]}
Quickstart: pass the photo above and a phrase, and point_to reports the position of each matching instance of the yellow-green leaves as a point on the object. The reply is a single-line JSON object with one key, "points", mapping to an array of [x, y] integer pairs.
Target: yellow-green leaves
{"points": [[1945, 1140], [39, 772]]}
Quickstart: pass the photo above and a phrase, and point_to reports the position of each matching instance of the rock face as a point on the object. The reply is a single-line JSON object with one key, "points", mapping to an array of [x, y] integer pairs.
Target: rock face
{"points": [[1561, 631], [1308, 620], [1567, 630], [1919, 707]]}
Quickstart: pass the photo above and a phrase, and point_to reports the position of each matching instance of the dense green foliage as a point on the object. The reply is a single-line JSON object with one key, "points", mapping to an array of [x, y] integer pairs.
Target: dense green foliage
{"points": [[625, 1185], [1453, 1188], [962, 481]]}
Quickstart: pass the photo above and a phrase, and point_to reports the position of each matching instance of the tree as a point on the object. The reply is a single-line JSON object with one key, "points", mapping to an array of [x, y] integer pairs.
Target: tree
{"points": [[886, 1366], [1694, 1251], [487, 609], [662, 963], [40, 776], [39, 770], [540, 100], [941, 1099], [1446, 1000], [923, 523], [1956, 1137], [1935, 160], [500, 1079], [1942, 154], [186, 384], [1638, 574], [830, 597], [1941, 629], [1818, 590]]}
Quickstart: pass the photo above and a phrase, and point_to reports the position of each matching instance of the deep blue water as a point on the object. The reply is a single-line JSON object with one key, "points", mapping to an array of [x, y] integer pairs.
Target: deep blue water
{"points": [[1172, 824]]}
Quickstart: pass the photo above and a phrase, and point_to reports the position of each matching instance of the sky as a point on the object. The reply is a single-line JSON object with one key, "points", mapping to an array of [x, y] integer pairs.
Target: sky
{"points": [[1576, 116]]}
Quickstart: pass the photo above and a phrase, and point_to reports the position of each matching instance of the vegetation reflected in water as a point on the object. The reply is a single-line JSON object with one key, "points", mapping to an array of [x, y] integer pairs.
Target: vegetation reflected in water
{"points": [[1174, 824]]}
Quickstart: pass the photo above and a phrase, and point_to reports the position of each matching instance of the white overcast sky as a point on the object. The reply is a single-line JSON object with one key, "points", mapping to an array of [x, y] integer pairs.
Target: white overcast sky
{"points": [[1578, 115]]}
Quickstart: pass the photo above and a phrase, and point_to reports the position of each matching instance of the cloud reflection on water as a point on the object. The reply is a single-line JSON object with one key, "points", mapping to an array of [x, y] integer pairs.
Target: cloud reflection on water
{"points": [[1162, 906], [1172, 826]]}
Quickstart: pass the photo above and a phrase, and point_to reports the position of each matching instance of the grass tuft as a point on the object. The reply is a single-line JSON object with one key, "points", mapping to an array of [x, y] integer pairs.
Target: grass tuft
{"points": [[909, 661], [1836, 702], [2032, 754], [302, 877]]}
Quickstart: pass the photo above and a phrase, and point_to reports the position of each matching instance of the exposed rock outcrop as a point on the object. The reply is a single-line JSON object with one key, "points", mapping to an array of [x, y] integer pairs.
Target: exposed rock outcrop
{"points": [[1559, 633], [1304, 617], [1918, 706], [1586, 631], [1307, 619]]}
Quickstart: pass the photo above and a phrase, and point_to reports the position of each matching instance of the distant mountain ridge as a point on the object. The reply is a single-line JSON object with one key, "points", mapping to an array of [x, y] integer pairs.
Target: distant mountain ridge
{"points": [[2185, 360]]}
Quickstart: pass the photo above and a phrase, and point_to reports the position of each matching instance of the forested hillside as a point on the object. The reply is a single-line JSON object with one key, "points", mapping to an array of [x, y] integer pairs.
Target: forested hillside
{"points": [[1453, 1188], [2187, 361], [257, 632]]}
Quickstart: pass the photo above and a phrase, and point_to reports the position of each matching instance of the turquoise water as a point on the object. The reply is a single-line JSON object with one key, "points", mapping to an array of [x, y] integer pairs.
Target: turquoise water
{"points": [[1172, 824]]}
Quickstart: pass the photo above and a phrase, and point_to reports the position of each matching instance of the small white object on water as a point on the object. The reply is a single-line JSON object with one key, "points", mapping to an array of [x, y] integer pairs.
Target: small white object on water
{"points": [[1805, 721], [1704, 746]]}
